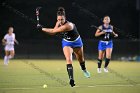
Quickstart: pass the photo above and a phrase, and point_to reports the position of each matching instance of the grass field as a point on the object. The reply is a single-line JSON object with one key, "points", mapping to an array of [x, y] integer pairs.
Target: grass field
{"points": [[29, 76]]}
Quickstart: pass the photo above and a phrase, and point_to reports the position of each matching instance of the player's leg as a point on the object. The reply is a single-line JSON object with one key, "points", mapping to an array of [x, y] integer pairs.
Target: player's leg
{"points": [[108, 57], [101, 54], [109, 49], [6, 57], [80, 57], [68, 55], [12, 53]]}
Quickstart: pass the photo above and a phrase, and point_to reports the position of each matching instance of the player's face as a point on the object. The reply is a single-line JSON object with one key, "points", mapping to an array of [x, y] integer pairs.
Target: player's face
{"points": [[10, 31], [106, 20], [61, 19]]}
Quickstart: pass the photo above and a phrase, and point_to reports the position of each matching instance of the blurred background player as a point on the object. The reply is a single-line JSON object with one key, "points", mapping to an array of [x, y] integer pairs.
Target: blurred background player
{"points": [[71, 42], [105, 33], [8, 41]]}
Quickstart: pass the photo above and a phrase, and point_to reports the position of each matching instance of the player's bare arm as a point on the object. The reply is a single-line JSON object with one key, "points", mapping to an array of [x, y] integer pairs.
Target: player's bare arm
{"points": [[16, 42], [99, 33], [115, 35], [63, 28], [3, 41], [57, 25]]}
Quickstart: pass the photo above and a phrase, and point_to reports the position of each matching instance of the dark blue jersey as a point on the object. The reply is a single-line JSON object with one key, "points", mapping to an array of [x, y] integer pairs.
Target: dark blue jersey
{"points": [[109, 33], [69, 35]]}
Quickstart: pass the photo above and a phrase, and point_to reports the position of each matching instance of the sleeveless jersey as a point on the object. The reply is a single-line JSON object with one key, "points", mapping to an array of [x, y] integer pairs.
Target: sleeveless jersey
{"points": [[108, 35], [69, 35]]}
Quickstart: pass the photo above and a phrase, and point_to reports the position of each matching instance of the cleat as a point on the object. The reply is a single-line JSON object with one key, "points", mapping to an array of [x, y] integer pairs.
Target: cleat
{"points": [[6, 64], [72, 83], [99, 70], [86, 73], [106, 70]]}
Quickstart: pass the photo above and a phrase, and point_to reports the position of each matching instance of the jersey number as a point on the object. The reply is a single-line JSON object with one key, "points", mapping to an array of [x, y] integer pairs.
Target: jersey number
{"points": [[107, 36]]}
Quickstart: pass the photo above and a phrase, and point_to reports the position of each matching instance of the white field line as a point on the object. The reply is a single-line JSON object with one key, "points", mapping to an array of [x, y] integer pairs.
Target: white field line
{"points": [[73, 87], [111, 86], [18, 88]]}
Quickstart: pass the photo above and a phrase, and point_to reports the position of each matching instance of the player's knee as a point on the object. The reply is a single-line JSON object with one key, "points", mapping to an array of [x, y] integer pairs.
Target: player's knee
{"points": [[6, 54], [100, 57], [11, 56], [108, 56], [81, 59], [68, 60]]}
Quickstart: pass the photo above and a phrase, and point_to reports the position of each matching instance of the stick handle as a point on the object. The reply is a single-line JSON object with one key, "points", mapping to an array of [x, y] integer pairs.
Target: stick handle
{"points": [[37, 15], [96, 27]]}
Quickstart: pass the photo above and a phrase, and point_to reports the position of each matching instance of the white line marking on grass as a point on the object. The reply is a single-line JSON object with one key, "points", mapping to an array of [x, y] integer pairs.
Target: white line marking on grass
{"points": [[114, 85], [103, 86], [77, 86], [111, 86], [18, 88], [73, 87], [91, 86]]}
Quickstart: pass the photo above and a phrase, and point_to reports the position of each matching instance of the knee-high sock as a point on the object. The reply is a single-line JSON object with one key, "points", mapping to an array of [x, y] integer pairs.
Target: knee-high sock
{"points": [[107, 62], [99, 63], [82, 64], [6, 59], [70, 71]]}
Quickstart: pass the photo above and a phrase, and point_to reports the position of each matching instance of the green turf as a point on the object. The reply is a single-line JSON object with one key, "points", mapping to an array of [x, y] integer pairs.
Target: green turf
{"points": [[28, 76]]}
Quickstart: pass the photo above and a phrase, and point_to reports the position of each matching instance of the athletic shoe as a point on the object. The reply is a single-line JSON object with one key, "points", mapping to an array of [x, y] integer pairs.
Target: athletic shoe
{"points": [[72, 82], [99, 70], [5, 63], [86, 73], [105, 70]]}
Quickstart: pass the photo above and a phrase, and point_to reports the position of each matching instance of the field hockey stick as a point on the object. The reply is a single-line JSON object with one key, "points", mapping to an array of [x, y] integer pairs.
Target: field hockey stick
{"points": [[100, 29], [96, 27], [37, 15], [22, 15], [89, 13]]}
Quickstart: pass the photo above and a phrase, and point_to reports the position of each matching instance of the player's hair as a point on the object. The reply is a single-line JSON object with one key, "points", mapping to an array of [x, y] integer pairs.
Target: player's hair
{"points": [[61, 11], [106, 16], [10, 27]]}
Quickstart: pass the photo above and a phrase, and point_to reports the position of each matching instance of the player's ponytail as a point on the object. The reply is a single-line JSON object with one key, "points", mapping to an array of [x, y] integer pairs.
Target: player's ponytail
{"points": [[61, 11]]}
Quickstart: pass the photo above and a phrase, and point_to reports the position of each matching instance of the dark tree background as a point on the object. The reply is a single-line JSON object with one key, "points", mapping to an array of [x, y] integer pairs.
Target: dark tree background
{"points": [[123, 13], [125, 16]]}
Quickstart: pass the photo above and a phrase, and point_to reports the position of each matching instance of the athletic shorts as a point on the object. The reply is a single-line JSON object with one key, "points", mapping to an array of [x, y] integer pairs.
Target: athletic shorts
{"points": [[103, 45], [9, 47], [76, 43]]}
